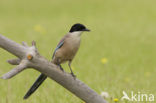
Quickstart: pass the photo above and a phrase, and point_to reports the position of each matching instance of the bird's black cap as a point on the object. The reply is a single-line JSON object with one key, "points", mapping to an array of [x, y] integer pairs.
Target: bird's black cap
{"points": [[78, 27]]}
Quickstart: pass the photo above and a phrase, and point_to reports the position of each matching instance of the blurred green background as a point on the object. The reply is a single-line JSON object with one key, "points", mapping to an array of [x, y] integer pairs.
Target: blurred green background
{"points": [[118, 54]]}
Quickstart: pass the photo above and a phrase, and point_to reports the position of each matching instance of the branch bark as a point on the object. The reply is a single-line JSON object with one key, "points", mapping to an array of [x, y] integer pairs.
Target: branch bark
{"points": [[16, 70], [28, 57]]}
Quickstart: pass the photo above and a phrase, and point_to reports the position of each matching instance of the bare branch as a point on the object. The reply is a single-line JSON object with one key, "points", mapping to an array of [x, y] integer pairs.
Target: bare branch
{"points": [[14, 61], [30, 57], [33, 43], [25, 44], [12, 47], [16, 70]]}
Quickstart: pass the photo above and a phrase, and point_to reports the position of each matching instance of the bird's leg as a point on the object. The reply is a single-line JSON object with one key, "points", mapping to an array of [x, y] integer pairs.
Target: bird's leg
{"points": [[69, 64], [61, 67], [58, 63]]}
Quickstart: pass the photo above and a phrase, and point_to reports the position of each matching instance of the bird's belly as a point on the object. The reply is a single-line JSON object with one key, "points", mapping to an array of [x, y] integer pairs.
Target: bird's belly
{"points": [[67, 51]]}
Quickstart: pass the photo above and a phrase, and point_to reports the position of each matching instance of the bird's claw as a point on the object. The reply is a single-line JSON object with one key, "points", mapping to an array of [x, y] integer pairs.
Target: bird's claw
{"points": [[73, 75], [62, 69]]}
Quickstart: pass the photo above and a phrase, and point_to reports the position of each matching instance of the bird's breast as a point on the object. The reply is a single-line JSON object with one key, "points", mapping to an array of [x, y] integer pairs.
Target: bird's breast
{"points": [[69, 49], [71, 46]]}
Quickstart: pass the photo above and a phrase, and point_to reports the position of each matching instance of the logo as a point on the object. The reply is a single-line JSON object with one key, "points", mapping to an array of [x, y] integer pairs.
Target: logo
{"points": [[138, 97]]}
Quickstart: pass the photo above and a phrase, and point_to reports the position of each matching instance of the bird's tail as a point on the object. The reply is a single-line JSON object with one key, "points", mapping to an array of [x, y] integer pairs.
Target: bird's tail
{"points": [[37, 83]]}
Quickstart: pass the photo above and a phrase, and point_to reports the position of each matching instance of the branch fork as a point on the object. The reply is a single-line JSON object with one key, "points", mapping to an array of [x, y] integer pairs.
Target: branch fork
{"points": [[21, 64], [28, 57]]}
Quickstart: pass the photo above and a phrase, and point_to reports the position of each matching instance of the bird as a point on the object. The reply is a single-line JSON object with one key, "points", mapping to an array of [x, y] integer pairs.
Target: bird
{"points": [[64, 52]]}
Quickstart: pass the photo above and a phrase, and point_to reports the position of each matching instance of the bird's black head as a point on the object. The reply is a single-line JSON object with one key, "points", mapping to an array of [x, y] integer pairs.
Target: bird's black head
{"points": [[78, 27]]}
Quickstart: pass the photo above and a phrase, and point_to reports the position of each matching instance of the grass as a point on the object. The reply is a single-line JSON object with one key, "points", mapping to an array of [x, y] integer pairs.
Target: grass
{"points": [[123, 32]]}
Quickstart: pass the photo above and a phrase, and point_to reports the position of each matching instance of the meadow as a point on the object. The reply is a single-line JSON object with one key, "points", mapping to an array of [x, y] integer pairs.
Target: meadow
{"points": [[119, 54]]}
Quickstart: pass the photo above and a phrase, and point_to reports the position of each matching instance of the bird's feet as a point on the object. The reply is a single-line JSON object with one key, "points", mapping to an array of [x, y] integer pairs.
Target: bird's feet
{"points": [[61, 69], [73, 75]]}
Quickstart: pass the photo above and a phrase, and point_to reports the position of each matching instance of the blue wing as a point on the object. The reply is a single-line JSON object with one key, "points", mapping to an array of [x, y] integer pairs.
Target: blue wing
{"points": [[58, 46]]}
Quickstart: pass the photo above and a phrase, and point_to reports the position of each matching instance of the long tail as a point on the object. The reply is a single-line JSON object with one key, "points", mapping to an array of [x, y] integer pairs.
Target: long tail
{"points": [[36, 84]]}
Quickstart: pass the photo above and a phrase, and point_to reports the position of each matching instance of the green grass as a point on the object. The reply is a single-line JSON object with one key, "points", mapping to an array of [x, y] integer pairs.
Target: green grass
{"points": [[123, 31]]}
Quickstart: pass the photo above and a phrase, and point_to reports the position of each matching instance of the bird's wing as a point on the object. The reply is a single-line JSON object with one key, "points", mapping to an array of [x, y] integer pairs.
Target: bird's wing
{"points": [[58, 46], [42, 77]]}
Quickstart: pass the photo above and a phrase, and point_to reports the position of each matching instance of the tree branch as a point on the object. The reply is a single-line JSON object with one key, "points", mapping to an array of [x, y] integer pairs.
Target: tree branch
{"points": [[14, 61], [25, 44], [16, 70], [28, 57]]}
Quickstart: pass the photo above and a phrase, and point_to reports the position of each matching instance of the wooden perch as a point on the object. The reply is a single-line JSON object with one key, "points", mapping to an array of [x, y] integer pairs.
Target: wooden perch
{"points": [[28, 57], [16, 70]]}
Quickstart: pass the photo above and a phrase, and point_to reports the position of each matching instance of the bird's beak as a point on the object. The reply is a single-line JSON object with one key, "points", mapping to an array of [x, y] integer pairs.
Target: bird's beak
{"points": [[86, 30]]}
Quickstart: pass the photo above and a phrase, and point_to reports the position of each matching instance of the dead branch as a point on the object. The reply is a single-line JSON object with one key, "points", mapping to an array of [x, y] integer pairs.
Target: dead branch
{"points": [[28, 57]]}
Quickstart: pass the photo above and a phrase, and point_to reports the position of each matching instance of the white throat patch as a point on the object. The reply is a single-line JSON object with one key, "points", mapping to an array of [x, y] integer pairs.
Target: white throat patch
{"points": [[76, 33], [76, 36]]}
